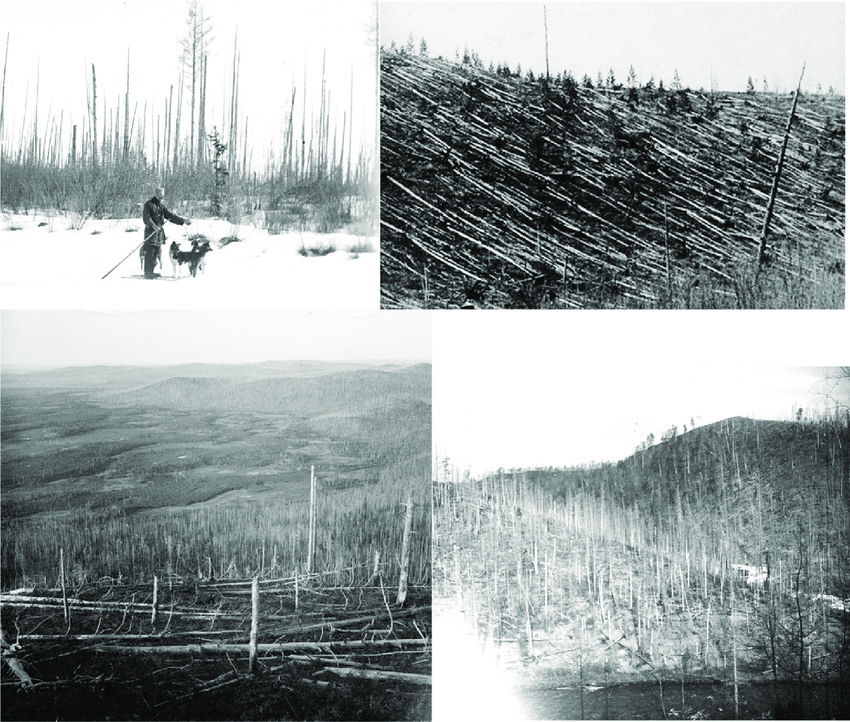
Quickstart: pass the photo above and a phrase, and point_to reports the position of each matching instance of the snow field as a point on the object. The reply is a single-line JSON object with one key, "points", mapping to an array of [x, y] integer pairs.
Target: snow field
{"points": [[468, 685], [48, 262]]}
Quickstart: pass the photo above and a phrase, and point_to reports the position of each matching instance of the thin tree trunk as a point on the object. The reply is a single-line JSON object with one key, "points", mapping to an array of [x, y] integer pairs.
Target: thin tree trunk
{"points": [[177, 126], [35, 118], [312, 528], [233, 106], [734, 644], [62, 578], [127, 113], [94, 116], [776, 177], [214, 648], [405, 553], [255, 623], [155, 603], [168, 128], [202, 111], [304, 125], [351, 128], [3, 91]]}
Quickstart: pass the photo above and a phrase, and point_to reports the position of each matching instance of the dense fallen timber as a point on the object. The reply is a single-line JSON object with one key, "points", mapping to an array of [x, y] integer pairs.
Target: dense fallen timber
{"points": [[195, 670], [505, 191]]}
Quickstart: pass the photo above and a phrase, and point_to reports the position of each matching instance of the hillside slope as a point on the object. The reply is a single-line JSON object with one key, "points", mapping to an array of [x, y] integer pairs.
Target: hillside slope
{"points": [[502, 191], [718, 554]]}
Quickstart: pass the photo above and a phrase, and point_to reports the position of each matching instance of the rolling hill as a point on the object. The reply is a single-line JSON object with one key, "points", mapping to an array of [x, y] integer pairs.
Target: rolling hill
{"points": [[715, 555]]}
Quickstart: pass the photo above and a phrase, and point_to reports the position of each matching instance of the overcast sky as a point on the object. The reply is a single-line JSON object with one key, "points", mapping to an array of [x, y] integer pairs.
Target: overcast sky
{"points": [[730, 40], [80, 338], [53, 43], [513, 389]]}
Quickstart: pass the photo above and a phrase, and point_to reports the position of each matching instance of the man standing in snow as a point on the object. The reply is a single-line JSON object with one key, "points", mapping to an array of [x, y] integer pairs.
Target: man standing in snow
{"points": [[154, 215]]}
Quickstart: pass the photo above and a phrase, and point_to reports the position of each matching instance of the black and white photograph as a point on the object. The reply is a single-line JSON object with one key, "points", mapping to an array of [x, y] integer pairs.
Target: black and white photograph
{"points": [[254, 467], [195, 154], [232, 523], [636, 538], [612, 155]]}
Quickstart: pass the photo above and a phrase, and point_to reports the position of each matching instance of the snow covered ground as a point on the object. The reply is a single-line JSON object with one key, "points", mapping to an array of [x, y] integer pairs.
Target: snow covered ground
{"points": [[468, 684], [48, 263]]}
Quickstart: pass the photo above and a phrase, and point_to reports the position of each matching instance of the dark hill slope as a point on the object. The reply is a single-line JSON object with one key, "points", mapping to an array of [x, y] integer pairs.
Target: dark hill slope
{"points": [[363, 391], [510, 192], [736, 487]]}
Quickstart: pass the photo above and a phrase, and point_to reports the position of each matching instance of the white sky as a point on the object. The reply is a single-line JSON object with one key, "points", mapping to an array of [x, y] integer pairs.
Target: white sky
{"points": [[81, 338], [514, 389], [59, 40], [731, 40]]}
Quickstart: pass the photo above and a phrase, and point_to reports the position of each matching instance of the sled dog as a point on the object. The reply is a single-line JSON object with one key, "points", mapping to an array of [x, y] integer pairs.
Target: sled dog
{"points": [[178, 258], [199, 252]]}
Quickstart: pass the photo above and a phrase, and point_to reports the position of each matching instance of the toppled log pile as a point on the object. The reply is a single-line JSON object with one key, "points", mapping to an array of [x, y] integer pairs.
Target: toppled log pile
{"points": [[302, 641], [502, 191]]}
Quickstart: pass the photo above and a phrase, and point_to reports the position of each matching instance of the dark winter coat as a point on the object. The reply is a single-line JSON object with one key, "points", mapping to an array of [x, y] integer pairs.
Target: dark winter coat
{"points": [[154, 215]]}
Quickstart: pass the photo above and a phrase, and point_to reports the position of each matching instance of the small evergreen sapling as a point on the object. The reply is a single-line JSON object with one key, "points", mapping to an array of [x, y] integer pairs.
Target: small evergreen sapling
{"points": [[220, 171]]}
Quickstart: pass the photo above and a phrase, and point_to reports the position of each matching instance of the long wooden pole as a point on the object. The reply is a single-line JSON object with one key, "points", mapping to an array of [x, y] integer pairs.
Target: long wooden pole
{"points": [[3, 91], [311, 534], [125, 156], [155, 603], [405, 552], [94, 115], [62, 578], [255, 623], [214, 648], [777, 176]]}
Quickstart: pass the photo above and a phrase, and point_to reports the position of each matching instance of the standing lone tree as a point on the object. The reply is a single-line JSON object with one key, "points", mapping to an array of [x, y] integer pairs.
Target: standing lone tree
{"points": [[193, 58], [220, 171]]}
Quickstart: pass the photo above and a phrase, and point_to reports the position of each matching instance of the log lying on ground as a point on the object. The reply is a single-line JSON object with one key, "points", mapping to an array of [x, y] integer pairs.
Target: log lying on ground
{"points": [[10, 655], [163, 635], [340, 623], [379, 674], [265, 647], [116, 607]]}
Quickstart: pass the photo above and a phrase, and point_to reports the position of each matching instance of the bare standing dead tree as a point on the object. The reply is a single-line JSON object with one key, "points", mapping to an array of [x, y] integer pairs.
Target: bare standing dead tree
{"points": [[835, 387], [195, 45]]}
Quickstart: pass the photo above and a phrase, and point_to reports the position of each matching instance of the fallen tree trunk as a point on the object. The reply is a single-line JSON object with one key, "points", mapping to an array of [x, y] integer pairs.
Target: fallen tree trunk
{"points": [[266, 647], [380, 674], [163, 635], [10, 655], [340, 623], [118, 606]]}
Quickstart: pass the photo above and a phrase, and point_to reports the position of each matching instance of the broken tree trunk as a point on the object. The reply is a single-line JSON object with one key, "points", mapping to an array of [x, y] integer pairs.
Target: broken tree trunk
{"points": [[62, 580], [10, 654], [255, 619], [380, 674], [266, 647], [311, 534], [405, 553], [776, 177]]}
